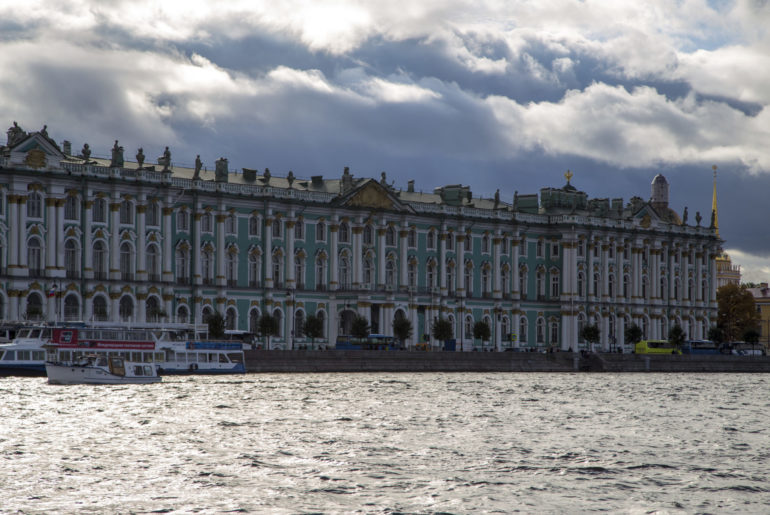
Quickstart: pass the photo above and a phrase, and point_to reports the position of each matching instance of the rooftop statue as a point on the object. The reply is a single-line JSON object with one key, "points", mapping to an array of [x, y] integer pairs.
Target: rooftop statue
{"points": [[15, 134], [86, 152], [117, 156], [198, 166], [698, 218], [140, 158], [165, 159], [684, 216]]}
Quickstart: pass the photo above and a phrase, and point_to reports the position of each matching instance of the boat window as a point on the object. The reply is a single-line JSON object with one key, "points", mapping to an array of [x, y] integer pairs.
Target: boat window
{"points": [[159, 357], [35, 333], [148, 370], [65, 355], [236, 357], [9, 355], [222, 358], [102, 362], [24, 355], [38, 355]]}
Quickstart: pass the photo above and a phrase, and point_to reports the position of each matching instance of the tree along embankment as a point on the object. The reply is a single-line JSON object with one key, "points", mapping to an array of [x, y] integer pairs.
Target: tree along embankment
{"points": [[404, 361]]}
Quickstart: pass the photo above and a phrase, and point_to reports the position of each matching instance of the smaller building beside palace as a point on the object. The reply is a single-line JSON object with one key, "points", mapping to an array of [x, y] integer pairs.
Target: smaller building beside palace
{"points": [[146, 240]]}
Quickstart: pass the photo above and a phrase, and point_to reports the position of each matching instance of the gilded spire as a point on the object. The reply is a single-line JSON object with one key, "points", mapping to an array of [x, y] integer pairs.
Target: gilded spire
{"points": [[714, 202], [568, 176]]}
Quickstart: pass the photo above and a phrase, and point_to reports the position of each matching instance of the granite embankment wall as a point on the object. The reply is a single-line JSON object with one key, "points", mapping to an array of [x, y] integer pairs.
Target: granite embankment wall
{"points": [[383, 361]]}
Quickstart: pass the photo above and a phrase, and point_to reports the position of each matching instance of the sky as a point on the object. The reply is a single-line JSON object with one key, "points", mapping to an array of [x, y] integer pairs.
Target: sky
{"points": [[494, 94]]}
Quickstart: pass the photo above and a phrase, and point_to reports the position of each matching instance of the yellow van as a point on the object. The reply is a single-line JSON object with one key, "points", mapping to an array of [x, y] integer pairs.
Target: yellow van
{"points": [[655, 347]]}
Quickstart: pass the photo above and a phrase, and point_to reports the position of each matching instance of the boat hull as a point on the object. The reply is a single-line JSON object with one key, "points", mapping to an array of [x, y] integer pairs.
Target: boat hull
{"points": [[30, 369], [75, 374]]}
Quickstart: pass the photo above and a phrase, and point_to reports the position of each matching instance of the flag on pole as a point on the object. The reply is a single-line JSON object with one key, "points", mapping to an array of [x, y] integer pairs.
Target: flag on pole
{"points": [[52, 291]]}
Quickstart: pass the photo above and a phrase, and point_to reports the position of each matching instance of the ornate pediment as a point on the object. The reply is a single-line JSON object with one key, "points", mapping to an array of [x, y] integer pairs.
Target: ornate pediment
{"points": [[36, 151], [373, 195]]}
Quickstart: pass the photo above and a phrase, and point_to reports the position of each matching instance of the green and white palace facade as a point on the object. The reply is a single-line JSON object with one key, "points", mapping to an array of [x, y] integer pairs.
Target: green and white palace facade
{"points": [[83, 238]]}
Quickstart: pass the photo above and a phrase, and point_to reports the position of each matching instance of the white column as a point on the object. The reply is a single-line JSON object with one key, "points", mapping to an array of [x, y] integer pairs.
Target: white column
{"points": [[496, 290], [59, 235], [381, 258], [168, 252], [87, 250], [115, 239], [291, 281], [269, 221], [50, 237], [15, 234], [358, 256], [605, 257], [460, 268], [220, 252], [334, 270], [403, 264], [195, 252], [141, 239], [442, 265], [515, 272]]}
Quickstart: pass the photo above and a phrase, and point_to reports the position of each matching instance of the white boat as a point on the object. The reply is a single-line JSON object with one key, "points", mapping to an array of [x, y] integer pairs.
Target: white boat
{"points": [[95, 369], [24, 354], [172, 349]]}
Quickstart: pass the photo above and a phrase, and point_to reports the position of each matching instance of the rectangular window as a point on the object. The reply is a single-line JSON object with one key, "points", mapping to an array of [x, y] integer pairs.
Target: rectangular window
{"points": [[182, 221], [320, 232], [581, 249], [539, 249], [299, 230], [276, 225], [554, 251], [153, 214], [253, 226], [71, 208], [450, 242]]}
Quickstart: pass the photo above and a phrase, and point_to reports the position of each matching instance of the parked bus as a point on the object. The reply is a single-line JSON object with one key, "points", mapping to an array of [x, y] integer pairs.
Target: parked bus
{"points": [[704, 347], [655, 347]]}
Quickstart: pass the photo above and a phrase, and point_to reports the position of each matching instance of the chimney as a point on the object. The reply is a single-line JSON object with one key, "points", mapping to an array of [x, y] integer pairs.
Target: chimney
{"points": [[410, 186], [66, 147], [317, 180]]}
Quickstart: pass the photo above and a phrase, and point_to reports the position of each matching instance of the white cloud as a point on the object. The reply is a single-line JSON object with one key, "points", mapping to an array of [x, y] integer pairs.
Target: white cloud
{"points": [[754, 268]]}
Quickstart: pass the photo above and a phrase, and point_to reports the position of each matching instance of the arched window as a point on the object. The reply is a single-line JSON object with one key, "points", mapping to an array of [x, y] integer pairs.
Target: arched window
{"points": [[254, 268], [322, 317], [182, 315], [523, 282], [100, 260], [182, 221], [390, 272], [554, 285], [126, 309], [277, 270], [430, 276], [431, 240], [390, 236], [611, 285], [523, 336], [206, 225], [99, 210], [127, 261], [231, 224], [468, 281], [626, 286], [299, 322], [152, 309], [690, 290], [485, 244], [581, 324], [597, 290], [540, 329], [207, 266], [182, 266], [35, 257], [299, 272], [254, 321], [299, 229], [505, 279], [253, 225], [320, 273], [153, 214], [100, 309], [71, 208], [412, 238], [368, 272], [505, 329], [276, 226], [34, 306], [34, 205], [554, 339], [368, 235], [279, 321], [320, 232], [450, 277], [486, 284], [344, 272], [71, 308], [344, 233], [127, 212], [540, 284], [468, 326], [231, 317], [412, 274], [644, 287], [71, 259], [581, 284], [231, 267], [663, 288], [153, 263]]}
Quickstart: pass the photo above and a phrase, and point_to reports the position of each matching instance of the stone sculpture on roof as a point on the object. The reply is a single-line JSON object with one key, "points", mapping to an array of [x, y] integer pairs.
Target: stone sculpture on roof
{"points": [[198, 166], [165, 159], [15, 134], [140, 158], [117, 156], [86, 152]]}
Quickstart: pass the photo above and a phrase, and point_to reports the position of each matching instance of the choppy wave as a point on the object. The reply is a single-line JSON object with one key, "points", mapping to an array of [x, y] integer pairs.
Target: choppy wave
{"points": [[388, 443]]}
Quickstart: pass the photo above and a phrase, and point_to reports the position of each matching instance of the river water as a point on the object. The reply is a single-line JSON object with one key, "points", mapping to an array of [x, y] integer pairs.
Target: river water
{"points": [[389, 443]]}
